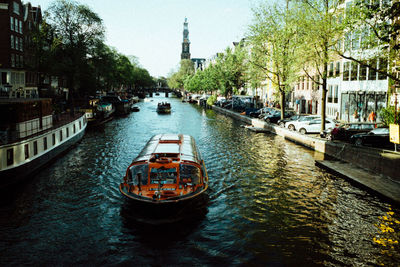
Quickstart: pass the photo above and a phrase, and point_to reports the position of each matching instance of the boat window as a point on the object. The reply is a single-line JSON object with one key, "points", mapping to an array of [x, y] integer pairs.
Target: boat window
{"points": [[139, 171], [163, 175], [189, 174]]}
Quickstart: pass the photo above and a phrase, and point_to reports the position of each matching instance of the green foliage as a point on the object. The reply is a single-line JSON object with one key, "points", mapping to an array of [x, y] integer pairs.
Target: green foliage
{"points": [[387, 115], [176, 80], [211, 100]]}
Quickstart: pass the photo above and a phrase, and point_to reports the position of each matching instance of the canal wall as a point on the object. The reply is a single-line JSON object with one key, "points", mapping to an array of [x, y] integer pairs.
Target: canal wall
{"points": [[380, 162]]}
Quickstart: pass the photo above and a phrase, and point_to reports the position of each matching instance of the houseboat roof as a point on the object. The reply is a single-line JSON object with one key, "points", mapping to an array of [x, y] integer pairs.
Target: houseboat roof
{"points": [[179, 147]]}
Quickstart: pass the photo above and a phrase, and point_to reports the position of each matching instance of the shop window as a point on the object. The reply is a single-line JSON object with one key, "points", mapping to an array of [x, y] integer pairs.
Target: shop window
{"points": [[10, 156], [353, 71], [35, 148], [26, 151]]}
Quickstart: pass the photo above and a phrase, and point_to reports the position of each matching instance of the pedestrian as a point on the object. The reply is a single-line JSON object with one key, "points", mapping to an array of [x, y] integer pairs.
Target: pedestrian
{"points": [[372, 117]]}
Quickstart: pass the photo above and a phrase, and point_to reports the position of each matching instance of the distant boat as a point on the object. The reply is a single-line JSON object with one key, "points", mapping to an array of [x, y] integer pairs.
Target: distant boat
{"points": [[98, 113], [31, 136], [135, 108], [168, 178], [164, 108]]}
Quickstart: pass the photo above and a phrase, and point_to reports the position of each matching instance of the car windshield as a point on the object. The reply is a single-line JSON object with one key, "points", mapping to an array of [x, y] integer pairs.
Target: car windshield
{"points": [[163, 175]]}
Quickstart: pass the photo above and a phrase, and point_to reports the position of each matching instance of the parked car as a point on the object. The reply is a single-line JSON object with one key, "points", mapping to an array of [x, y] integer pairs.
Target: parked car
{"points": [[378, 137], [274, 116], [261, 111], [346, 130], [314, 126], [281, 123], [293, 125]]}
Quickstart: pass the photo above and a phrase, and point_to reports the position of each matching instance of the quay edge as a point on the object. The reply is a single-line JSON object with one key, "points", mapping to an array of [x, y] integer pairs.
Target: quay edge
{"points": [[383, 165]]}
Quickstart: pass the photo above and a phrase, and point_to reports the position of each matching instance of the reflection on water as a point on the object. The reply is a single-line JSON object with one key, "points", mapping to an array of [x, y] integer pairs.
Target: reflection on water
{"points": [[269, 204]]}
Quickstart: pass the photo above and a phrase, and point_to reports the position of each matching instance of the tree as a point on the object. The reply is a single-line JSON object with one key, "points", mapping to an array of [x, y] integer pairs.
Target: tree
{"points": [[176, 80], [77, 29], [319, 30], [273, 47]]}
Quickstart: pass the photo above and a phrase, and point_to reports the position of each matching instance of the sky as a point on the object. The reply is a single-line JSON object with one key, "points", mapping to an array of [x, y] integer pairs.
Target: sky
{"points": [[152, 30]]}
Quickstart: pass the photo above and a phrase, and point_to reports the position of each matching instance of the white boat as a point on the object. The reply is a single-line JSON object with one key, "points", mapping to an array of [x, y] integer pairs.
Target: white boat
{"points": [[31, 137]]}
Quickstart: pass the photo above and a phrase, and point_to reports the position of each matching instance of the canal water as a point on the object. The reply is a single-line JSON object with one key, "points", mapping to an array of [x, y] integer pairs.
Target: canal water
{"points": [[269, 204]]}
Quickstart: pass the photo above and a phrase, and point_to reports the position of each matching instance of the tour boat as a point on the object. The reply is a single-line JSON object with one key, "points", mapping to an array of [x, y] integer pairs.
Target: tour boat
{"points": [[31, 136], [167, 178], [164, 107]]}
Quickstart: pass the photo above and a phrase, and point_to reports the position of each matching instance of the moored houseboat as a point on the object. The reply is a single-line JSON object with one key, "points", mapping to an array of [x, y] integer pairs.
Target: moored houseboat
{"points": [[98, 113], [168, 178], [31, 136]]}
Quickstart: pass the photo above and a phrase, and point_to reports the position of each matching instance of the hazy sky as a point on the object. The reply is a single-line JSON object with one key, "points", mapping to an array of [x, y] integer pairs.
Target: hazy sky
{"points": [[152, 29]]}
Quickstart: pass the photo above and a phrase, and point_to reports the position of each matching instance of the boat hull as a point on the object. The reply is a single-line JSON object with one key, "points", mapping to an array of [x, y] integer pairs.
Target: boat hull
{"points": [[171, 211], [21, 173]]}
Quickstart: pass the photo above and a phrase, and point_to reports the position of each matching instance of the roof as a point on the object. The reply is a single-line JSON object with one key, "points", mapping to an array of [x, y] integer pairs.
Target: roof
{"points": [[175, 146]]}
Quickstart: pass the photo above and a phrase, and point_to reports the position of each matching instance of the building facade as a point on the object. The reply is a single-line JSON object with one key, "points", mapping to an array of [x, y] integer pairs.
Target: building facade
{"points": [[17, 22]]}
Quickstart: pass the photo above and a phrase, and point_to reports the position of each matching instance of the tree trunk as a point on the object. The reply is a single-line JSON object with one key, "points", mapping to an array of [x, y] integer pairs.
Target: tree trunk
{"points": [[282, 103]]}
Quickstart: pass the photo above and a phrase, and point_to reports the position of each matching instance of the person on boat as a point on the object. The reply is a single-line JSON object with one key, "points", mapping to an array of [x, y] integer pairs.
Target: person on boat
{"points": [[139, 180]]}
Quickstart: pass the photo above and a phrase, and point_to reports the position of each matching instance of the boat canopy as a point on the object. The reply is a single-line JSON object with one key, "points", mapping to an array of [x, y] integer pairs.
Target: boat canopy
{"points": [[179, 147]]}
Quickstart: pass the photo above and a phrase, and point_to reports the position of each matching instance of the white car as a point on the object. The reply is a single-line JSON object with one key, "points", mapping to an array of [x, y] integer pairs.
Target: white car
{"points": [[314, 126], [293, 125]]}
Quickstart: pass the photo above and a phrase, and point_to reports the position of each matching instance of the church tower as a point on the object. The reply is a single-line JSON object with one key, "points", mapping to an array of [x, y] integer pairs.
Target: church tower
{"points": [[186, 43]]}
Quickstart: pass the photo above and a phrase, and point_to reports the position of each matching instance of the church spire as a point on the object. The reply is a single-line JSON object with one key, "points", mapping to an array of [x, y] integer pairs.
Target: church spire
{"points": [[186, 43]]}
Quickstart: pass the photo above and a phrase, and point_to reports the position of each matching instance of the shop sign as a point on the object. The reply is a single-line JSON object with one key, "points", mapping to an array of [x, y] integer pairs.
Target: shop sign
{"points": [[394, 133]]}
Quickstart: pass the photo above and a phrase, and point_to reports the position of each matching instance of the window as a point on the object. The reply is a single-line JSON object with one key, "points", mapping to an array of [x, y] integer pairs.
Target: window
{"points": [[336, 94], [12, 60], [138, 171], [21, 45], [382, 67], [26, 151], [44, 143], [20, 26], [346, 70], [16, 8], [189, 174], [337, 69], [74, 128], [16, 24], [355, 42], [16, 43], [67, 132], [12, 42], [35, 150], [347, 41], [371, 72], [363, 72], [12, 23], [54, 139], [61, 136], [330, 72], [10, 156], [330, 94], [354, 71], [80, 125]]}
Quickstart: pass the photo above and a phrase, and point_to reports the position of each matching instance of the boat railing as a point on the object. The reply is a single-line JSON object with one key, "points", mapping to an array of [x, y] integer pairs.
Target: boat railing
{"points": [[9, 133]]}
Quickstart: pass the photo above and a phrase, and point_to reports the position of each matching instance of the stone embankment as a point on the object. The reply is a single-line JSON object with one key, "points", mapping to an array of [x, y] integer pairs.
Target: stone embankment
{"points": [[376, 169]]}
